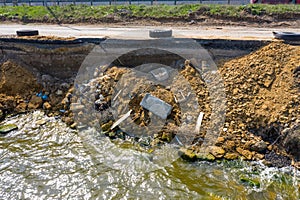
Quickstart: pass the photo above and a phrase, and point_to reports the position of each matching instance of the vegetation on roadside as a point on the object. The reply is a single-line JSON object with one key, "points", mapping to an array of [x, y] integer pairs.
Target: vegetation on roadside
{"points": [[86, 13]]}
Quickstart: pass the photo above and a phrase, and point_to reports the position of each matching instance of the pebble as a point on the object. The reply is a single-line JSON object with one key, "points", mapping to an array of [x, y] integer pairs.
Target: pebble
{"points": [[41, 122], [216, 151], [47, 106]]}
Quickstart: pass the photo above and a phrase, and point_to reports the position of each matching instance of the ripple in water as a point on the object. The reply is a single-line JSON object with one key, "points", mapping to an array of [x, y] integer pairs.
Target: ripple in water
{"points": [[52, 161]]}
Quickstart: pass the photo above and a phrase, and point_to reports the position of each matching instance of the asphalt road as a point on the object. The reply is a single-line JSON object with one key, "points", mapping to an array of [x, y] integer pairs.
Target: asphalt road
{"points": [[227, 32]]}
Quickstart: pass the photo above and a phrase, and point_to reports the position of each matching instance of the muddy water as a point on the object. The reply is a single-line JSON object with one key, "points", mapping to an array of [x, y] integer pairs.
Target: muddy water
{"points": [[44, 159]]}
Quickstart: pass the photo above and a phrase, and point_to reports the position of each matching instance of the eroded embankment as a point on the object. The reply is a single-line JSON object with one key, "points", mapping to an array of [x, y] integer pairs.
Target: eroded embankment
{"points": [[262, 94]]}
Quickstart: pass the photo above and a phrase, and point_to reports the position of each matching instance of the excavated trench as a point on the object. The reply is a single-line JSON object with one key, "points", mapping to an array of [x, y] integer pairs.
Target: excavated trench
{"points": [[31, 66]]}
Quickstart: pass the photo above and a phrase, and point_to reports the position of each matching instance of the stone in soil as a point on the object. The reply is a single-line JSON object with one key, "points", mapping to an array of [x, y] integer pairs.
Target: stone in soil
{"points": [[35, 102]]}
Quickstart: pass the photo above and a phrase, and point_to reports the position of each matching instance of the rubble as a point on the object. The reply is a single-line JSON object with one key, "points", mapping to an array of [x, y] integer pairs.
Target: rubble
{"points": [[262, 99]]}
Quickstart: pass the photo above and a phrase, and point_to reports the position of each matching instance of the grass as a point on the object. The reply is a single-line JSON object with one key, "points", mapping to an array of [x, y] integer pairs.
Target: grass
{"points": [[79, 12]]}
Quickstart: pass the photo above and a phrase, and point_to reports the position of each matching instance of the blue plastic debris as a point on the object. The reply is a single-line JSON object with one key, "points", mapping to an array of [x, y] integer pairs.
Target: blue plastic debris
{"points": [[40, 94], [45, 97]]}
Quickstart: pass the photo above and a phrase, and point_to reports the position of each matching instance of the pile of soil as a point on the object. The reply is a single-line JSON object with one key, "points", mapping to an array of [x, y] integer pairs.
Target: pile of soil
{"points": [[16, 87], [178, 96], [20, 91], [262, 99], [262, 93], [15, 80]]}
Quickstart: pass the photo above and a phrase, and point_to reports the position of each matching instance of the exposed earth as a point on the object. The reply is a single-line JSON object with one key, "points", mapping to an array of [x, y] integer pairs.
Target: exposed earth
{"points": [[262, 114]]}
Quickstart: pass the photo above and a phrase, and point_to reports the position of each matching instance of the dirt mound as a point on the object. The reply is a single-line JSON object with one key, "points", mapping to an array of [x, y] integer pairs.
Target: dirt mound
{"points": [[121, 89], [15, 80], [262, 101], [20, 91], [16, 88], [262, 96]]}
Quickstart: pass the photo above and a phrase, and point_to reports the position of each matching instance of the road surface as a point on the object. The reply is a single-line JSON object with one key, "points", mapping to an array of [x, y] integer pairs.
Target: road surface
{"points": [[138, 32]]}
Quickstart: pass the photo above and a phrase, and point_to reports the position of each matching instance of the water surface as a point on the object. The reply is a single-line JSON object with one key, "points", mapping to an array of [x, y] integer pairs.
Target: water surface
{"points": [[44, 159]]}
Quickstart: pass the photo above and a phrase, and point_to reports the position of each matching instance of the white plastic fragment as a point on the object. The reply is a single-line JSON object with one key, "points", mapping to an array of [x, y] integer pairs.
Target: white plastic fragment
{"points": [[199, 121], [117, 95], [119, 121], [176, 101]]}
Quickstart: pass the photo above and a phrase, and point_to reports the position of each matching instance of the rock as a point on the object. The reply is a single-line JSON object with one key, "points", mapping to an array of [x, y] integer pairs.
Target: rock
{"points": [[250, 182], [21, 107], [207, 157], [216, 151], [187, 154], [268, 80], [231, 156], [7, 128], [258, 156], [230, 145], [246, 153], [106, 126], [68, 120], [41, 122], [74, 125], [292, 143], [259, 147], [65, 86], [111, 135], [220, 140], [167, 137], [35, 102], [46, 106], [192, 22]]}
